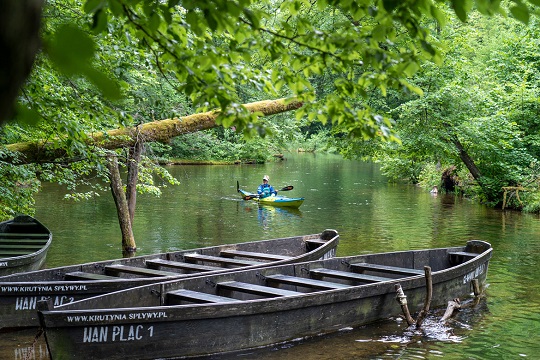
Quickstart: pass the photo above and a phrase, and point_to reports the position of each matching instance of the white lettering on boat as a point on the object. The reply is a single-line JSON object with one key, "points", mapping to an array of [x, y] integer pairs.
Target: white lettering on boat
{"points": [[474, 274], [29, 302], [42, 288], [116, 333], [117, 317], [3, 264]]}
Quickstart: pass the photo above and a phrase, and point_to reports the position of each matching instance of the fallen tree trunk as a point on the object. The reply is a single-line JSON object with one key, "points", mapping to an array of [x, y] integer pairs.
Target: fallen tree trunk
{"points": [[158, 131]]}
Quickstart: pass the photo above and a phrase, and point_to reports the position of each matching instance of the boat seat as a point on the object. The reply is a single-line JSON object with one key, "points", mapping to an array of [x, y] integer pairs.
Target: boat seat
{"points": [[459, 257], [317, 242], [10, 253], [23, 235], [255, 289], [387, 269], [195, 296], [24, 241], [305, 282], [117, 269], [220, 260], [80, 275], [345, 275], [254, 255], [463, 253], [20, 246], [156, 263]]}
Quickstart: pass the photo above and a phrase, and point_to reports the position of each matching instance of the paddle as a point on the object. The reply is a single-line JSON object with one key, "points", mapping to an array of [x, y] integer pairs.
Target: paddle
{"points": [[250, 197]]}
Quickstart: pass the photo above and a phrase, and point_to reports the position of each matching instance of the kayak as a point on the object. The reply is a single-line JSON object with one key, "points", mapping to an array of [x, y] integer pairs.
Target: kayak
{"points": [[273, 200]]}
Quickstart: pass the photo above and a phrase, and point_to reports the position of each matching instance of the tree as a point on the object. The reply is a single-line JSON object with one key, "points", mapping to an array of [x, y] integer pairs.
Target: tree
{"points": [[216, 52]]}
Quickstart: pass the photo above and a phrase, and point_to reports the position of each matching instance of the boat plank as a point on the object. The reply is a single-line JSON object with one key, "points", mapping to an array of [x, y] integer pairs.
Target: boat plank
{"points": [[156, 263], [304, 282], [387, 269], [23, 235], [116, 269], [8, 253], [80, 275], [255, 289], [463, 253], [254, 255], [220, 260], [196, 297], [20, 246], [345, 275]]}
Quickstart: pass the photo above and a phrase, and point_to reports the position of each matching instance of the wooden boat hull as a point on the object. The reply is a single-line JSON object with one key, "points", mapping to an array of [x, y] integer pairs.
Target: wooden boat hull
{"points": [[309, 299], [24, 243], [281, 201], [19, 293]]}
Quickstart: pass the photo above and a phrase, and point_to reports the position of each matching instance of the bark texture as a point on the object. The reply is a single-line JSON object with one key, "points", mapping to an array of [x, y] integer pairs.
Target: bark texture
{"points": [[128, 240], [158, 131]]}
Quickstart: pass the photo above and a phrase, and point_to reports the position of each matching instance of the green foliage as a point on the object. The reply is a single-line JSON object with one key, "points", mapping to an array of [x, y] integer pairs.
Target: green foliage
{"points": [[357, 65], [430, 176], [18, 186]]}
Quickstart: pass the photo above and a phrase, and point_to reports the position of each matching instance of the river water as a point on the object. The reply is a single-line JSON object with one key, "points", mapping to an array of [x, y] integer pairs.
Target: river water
{"points": [[370, 214]]}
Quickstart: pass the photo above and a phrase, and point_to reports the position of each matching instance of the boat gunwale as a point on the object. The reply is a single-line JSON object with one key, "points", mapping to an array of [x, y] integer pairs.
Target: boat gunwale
{"points": [[322, 249]]}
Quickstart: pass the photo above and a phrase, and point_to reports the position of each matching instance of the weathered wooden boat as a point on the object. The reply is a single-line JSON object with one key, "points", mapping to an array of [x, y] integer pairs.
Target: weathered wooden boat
{"points": [[24, 243], [253, 308], [20, 292]]}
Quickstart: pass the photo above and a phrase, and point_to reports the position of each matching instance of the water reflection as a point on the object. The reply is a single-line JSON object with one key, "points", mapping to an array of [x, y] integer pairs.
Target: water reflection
{"points": [[370, 214]]}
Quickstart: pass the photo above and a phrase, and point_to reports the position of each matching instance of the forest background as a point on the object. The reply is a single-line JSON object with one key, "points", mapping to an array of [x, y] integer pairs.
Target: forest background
{"points": [[439, 93]]}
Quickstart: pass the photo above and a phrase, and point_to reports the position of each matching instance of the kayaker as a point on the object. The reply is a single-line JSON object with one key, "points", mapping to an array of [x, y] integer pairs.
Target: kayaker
{"points": [[265, 189]]}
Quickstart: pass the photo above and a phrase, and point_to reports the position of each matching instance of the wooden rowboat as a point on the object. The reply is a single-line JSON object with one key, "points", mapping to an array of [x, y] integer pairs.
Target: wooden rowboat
{"points": [[24, 242], [19, 293], [252, 308]]}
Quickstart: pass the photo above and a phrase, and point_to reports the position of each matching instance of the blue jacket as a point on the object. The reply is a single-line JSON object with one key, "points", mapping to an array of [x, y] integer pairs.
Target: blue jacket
{"points": [[265, 190]]}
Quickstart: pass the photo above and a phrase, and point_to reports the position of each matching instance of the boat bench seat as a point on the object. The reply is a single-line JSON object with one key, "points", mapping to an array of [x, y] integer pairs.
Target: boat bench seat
{"points": [[387, 269], [23, 236], [463, 253], [345, 275], [80, 275], [23, 241], [196, 297], [304, 282], [117, 269], [317, 242], [255, 289], [156, 263], [20, 246], [254, 255], [10, 253], [220, 260]]}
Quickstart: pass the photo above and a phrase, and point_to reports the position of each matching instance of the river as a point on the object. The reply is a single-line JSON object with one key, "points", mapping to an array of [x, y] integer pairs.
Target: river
{"points": [[371, 215]]}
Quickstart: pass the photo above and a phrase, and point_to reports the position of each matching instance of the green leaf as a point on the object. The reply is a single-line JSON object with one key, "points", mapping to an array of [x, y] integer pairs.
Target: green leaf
{"points": [[92, 6], [520, 12], [391, 5], [461, 8], [108, 87], [71, 49]]}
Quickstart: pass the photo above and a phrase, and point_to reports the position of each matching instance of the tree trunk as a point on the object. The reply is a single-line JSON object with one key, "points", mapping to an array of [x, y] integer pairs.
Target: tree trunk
{"points": [[132, 174], [128, 240], [467, 160], [20, 23], [159, 131]]}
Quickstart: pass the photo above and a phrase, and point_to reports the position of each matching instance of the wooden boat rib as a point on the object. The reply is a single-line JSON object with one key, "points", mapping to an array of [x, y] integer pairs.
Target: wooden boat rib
{"points": [[237, 311], [19, 293], [24, 243]]}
